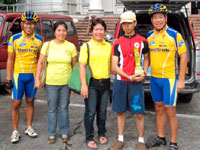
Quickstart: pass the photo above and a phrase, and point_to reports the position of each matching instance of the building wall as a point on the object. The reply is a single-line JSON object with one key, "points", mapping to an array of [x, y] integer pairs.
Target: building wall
{"points": [[44, 6], [70, 7]]}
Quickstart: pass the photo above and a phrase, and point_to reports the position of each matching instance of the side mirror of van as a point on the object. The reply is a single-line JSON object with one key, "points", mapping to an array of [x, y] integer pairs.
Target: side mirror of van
{"points": [[109, 37]]}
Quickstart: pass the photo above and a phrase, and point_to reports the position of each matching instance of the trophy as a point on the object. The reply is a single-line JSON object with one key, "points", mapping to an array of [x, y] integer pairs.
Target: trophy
{"points": [[138, 69]]}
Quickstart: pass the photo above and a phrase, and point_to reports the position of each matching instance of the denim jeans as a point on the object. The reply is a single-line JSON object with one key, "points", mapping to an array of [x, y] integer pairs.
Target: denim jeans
{"points": [[96, 104], [58, 102]]}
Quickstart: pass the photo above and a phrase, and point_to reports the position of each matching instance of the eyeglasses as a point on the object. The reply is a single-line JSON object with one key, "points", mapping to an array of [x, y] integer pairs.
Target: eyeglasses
{"points": [[31, 23]]}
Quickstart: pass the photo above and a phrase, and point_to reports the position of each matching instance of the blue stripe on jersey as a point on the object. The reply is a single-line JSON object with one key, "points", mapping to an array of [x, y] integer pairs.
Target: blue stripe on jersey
{"points": [[173, 33], [150, 33], [39, 37], [17, 36]]}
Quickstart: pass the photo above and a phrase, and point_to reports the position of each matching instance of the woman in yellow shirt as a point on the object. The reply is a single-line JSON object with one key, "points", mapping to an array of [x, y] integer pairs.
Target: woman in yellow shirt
{"points": [[61, 58], [96, 95]]}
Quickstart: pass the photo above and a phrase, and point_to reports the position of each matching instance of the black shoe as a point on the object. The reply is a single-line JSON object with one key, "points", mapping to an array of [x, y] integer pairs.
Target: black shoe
{"points": [[51, 139], [157, 141], [65, 138], [173, 146]]}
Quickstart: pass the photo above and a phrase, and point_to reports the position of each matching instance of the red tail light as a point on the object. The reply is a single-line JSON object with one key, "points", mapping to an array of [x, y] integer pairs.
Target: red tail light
{"points": [[197, 74]]}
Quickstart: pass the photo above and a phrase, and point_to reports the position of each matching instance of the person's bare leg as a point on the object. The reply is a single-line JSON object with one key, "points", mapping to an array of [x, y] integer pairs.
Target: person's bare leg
{"points": [[15, 113], [29, 111], [173, 122], [140, 124], [160, 118], [121, 121]]}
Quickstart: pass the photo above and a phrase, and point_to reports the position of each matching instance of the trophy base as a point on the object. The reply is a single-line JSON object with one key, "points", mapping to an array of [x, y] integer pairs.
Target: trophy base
{"points": [[139, 71]]}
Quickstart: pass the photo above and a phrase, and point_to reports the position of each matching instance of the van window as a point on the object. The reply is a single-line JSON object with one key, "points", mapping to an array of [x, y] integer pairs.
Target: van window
{"points": [[16, 28], [70, 28], [1, 20], [47, 29], [6, 26], [37, 28]]}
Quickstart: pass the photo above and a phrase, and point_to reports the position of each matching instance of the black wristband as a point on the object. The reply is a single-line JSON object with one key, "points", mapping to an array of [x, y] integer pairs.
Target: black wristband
{"points": [[9, 84]]}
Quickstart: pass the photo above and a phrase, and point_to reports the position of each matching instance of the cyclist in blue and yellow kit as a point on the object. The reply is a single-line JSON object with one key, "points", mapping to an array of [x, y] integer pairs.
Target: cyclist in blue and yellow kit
{"points": [[23, 50], [167, 76]]}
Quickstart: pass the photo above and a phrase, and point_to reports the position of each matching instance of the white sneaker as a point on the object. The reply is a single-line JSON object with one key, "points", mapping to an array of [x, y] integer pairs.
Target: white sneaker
{"points": [[30, 132], [15, 137]]}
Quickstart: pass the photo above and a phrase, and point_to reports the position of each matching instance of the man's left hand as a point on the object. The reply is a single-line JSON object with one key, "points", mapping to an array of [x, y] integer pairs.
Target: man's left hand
{"points": [[180, 85]]}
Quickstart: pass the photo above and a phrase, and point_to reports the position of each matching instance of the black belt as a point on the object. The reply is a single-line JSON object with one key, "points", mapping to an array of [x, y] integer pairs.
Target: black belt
{"points": [[101, 80]]}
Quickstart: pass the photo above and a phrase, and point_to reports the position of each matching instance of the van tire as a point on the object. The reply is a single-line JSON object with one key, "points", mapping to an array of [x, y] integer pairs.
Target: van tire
{"points": [[185, 98]]}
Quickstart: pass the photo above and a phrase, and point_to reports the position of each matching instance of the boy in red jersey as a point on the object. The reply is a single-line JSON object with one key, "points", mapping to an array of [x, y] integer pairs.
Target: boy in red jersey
{"points": [[126, 55]]}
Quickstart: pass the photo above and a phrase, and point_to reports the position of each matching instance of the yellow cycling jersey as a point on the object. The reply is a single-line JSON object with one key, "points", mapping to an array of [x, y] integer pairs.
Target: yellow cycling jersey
{"points": [[165, 46], [26, 52]]}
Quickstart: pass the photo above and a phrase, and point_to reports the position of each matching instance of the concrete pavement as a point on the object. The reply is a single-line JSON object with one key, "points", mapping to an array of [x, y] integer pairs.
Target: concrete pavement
{"points": [[189, 127]]}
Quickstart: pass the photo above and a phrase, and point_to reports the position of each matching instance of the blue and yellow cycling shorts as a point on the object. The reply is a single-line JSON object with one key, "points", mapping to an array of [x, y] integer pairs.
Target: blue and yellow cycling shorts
{"points": [[164, 90], [23, 82]]}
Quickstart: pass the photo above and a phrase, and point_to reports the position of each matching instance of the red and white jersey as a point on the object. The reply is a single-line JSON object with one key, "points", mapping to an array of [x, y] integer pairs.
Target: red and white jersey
{"points": [[124, 49]]}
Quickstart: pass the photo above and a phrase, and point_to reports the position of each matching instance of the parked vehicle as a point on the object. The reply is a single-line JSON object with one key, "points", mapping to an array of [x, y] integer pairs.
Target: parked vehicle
{"points": [[10, 24], [179, 21]]}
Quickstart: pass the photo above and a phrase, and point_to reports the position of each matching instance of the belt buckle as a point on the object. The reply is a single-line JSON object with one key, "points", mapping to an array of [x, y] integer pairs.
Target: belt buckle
{"points": [[100, 81]]}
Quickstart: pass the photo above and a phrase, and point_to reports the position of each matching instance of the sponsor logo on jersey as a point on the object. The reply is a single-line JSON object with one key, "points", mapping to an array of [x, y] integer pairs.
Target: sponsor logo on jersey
{"points": [[162, 45], [9, 44], [152, 43], [34, 47], [181, 43], [22, 44], [159, 50], [163, 36], [26, 50]]}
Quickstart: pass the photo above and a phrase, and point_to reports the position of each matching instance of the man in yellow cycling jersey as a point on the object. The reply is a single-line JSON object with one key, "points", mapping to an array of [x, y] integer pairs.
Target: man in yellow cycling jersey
{"points": [[23, 50], [167, 73]]}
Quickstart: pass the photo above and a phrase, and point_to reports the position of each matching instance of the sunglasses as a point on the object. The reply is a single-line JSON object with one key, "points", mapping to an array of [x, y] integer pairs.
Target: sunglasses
{"points": [[29, 23]]}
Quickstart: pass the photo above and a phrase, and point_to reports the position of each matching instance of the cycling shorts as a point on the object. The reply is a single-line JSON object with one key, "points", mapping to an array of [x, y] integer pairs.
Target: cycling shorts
{"points": [[164, 90], [23, 83]]}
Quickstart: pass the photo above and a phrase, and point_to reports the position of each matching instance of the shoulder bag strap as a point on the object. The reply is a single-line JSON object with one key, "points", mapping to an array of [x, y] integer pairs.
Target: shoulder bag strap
{"points": [[88, 49], [47, 52]]}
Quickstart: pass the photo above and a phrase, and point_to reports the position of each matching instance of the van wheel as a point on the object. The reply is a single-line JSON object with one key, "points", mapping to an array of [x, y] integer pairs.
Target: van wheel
{"points": [[185, 98]]}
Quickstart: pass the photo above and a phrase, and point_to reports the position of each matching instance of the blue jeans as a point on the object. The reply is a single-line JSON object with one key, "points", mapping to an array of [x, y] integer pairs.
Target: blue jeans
{"points": [[96, 104], [58, 102]]}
